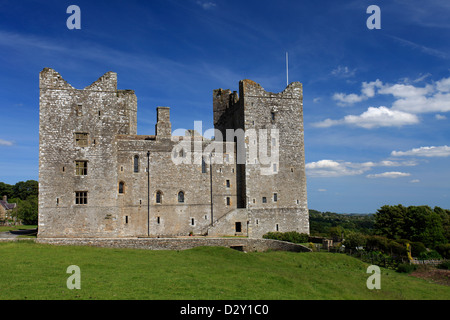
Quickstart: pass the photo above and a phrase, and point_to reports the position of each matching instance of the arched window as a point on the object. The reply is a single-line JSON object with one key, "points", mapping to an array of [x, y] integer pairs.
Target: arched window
{"points": [[181, 197], [136, 163], [158, 196], [121, 187]]}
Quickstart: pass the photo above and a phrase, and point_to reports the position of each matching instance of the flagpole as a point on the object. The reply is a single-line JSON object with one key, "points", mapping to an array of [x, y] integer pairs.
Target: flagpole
{"points": [[287, 69]]}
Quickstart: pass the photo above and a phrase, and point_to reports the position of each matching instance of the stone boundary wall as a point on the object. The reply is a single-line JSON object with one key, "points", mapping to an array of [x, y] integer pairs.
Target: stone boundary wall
{"points": [[243, 244]]}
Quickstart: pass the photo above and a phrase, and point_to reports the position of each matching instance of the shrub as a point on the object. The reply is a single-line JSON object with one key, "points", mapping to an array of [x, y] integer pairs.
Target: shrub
{"points": [[396, 248], [444, 265], [406, 268], [429, 255], [291, 236], [417, 248], [355, 240], [377, 243], [444, 250]]}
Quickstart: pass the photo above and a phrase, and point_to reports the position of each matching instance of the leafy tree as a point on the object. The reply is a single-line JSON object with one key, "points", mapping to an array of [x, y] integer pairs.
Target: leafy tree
{"points": [[24, 189], [414, 223], [27, 210], [354, 240], [390, 221]]}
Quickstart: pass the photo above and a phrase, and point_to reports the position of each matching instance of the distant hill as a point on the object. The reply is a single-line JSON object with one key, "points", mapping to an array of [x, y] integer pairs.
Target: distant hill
{"points": [[328, 224]]}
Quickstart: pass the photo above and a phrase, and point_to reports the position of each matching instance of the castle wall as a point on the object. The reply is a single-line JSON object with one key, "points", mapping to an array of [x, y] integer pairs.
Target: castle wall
{"points": [[169, 217]]}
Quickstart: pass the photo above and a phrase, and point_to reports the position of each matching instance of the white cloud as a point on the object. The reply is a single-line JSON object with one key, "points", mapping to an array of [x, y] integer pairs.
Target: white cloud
{"points": [[6, 143], [440, 117], [367, 91], [206, 5], [409, 100], [415, 181], [348, 99], [332, 168], [343, 72], [373, 118], [392, 175], [441, 151], [433, 97], [322, 190]]}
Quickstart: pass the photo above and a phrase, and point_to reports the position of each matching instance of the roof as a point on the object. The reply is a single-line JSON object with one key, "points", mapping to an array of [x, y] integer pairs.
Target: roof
{"points": [[7, 206]]}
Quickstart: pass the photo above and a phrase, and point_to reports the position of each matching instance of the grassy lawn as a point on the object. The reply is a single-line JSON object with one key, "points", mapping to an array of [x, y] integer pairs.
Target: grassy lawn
{"points": [[7, 228], [35, 271]]}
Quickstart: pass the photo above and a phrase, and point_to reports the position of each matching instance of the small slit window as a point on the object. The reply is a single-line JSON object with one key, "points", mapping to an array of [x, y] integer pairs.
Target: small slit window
{"points": [[158, 197], [121, 187], [79, 110], [203, 165], [136, 163], [181, 197]]}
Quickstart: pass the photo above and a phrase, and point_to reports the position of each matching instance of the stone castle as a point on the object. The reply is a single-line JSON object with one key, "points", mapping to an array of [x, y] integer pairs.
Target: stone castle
{"points": [[99, 179]]}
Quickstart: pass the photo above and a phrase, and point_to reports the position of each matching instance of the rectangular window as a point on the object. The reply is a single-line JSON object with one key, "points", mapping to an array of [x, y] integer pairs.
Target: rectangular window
{"points": [[264, 200], [238, 226], [275, 197], [81, 197], [81, 168], [274, 167], [228, 183], [81, 139], [274, 142], [273, 116], [228, 201], [79, 110]]}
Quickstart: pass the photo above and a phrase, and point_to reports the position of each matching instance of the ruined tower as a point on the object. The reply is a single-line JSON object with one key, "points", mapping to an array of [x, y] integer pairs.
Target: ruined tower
{"points": [[272, 188]]}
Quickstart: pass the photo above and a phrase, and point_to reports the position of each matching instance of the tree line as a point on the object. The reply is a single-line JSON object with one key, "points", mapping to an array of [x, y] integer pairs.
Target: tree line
{"points": [[25, 194], [393, 230]]}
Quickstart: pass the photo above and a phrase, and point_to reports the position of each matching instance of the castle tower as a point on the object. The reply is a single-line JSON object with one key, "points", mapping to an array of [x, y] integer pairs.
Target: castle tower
{"points": [[77, 154], [272, 181]]}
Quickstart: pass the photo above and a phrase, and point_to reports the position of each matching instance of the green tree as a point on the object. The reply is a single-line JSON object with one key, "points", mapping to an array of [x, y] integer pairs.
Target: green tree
{"points": [[24, 189], [27, 210], [414, 223], [354, 240], [390, 221]]}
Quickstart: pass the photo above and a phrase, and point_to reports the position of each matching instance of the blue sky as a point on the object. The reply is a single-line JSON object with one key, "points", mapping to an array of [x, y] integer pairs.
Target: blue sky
{"points": [[376, 102]]}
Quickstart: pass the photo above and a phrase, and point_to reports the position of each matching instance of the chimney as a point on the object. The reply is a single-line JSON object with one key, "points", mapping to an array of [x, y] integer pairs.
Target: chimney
{"points": [[163, 127]]}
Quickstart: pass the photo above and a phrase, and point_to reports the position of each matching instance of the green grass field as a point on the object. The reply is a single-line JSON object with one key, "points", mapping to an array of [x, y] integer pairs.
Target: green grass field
{"points": [[35, 271]]}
